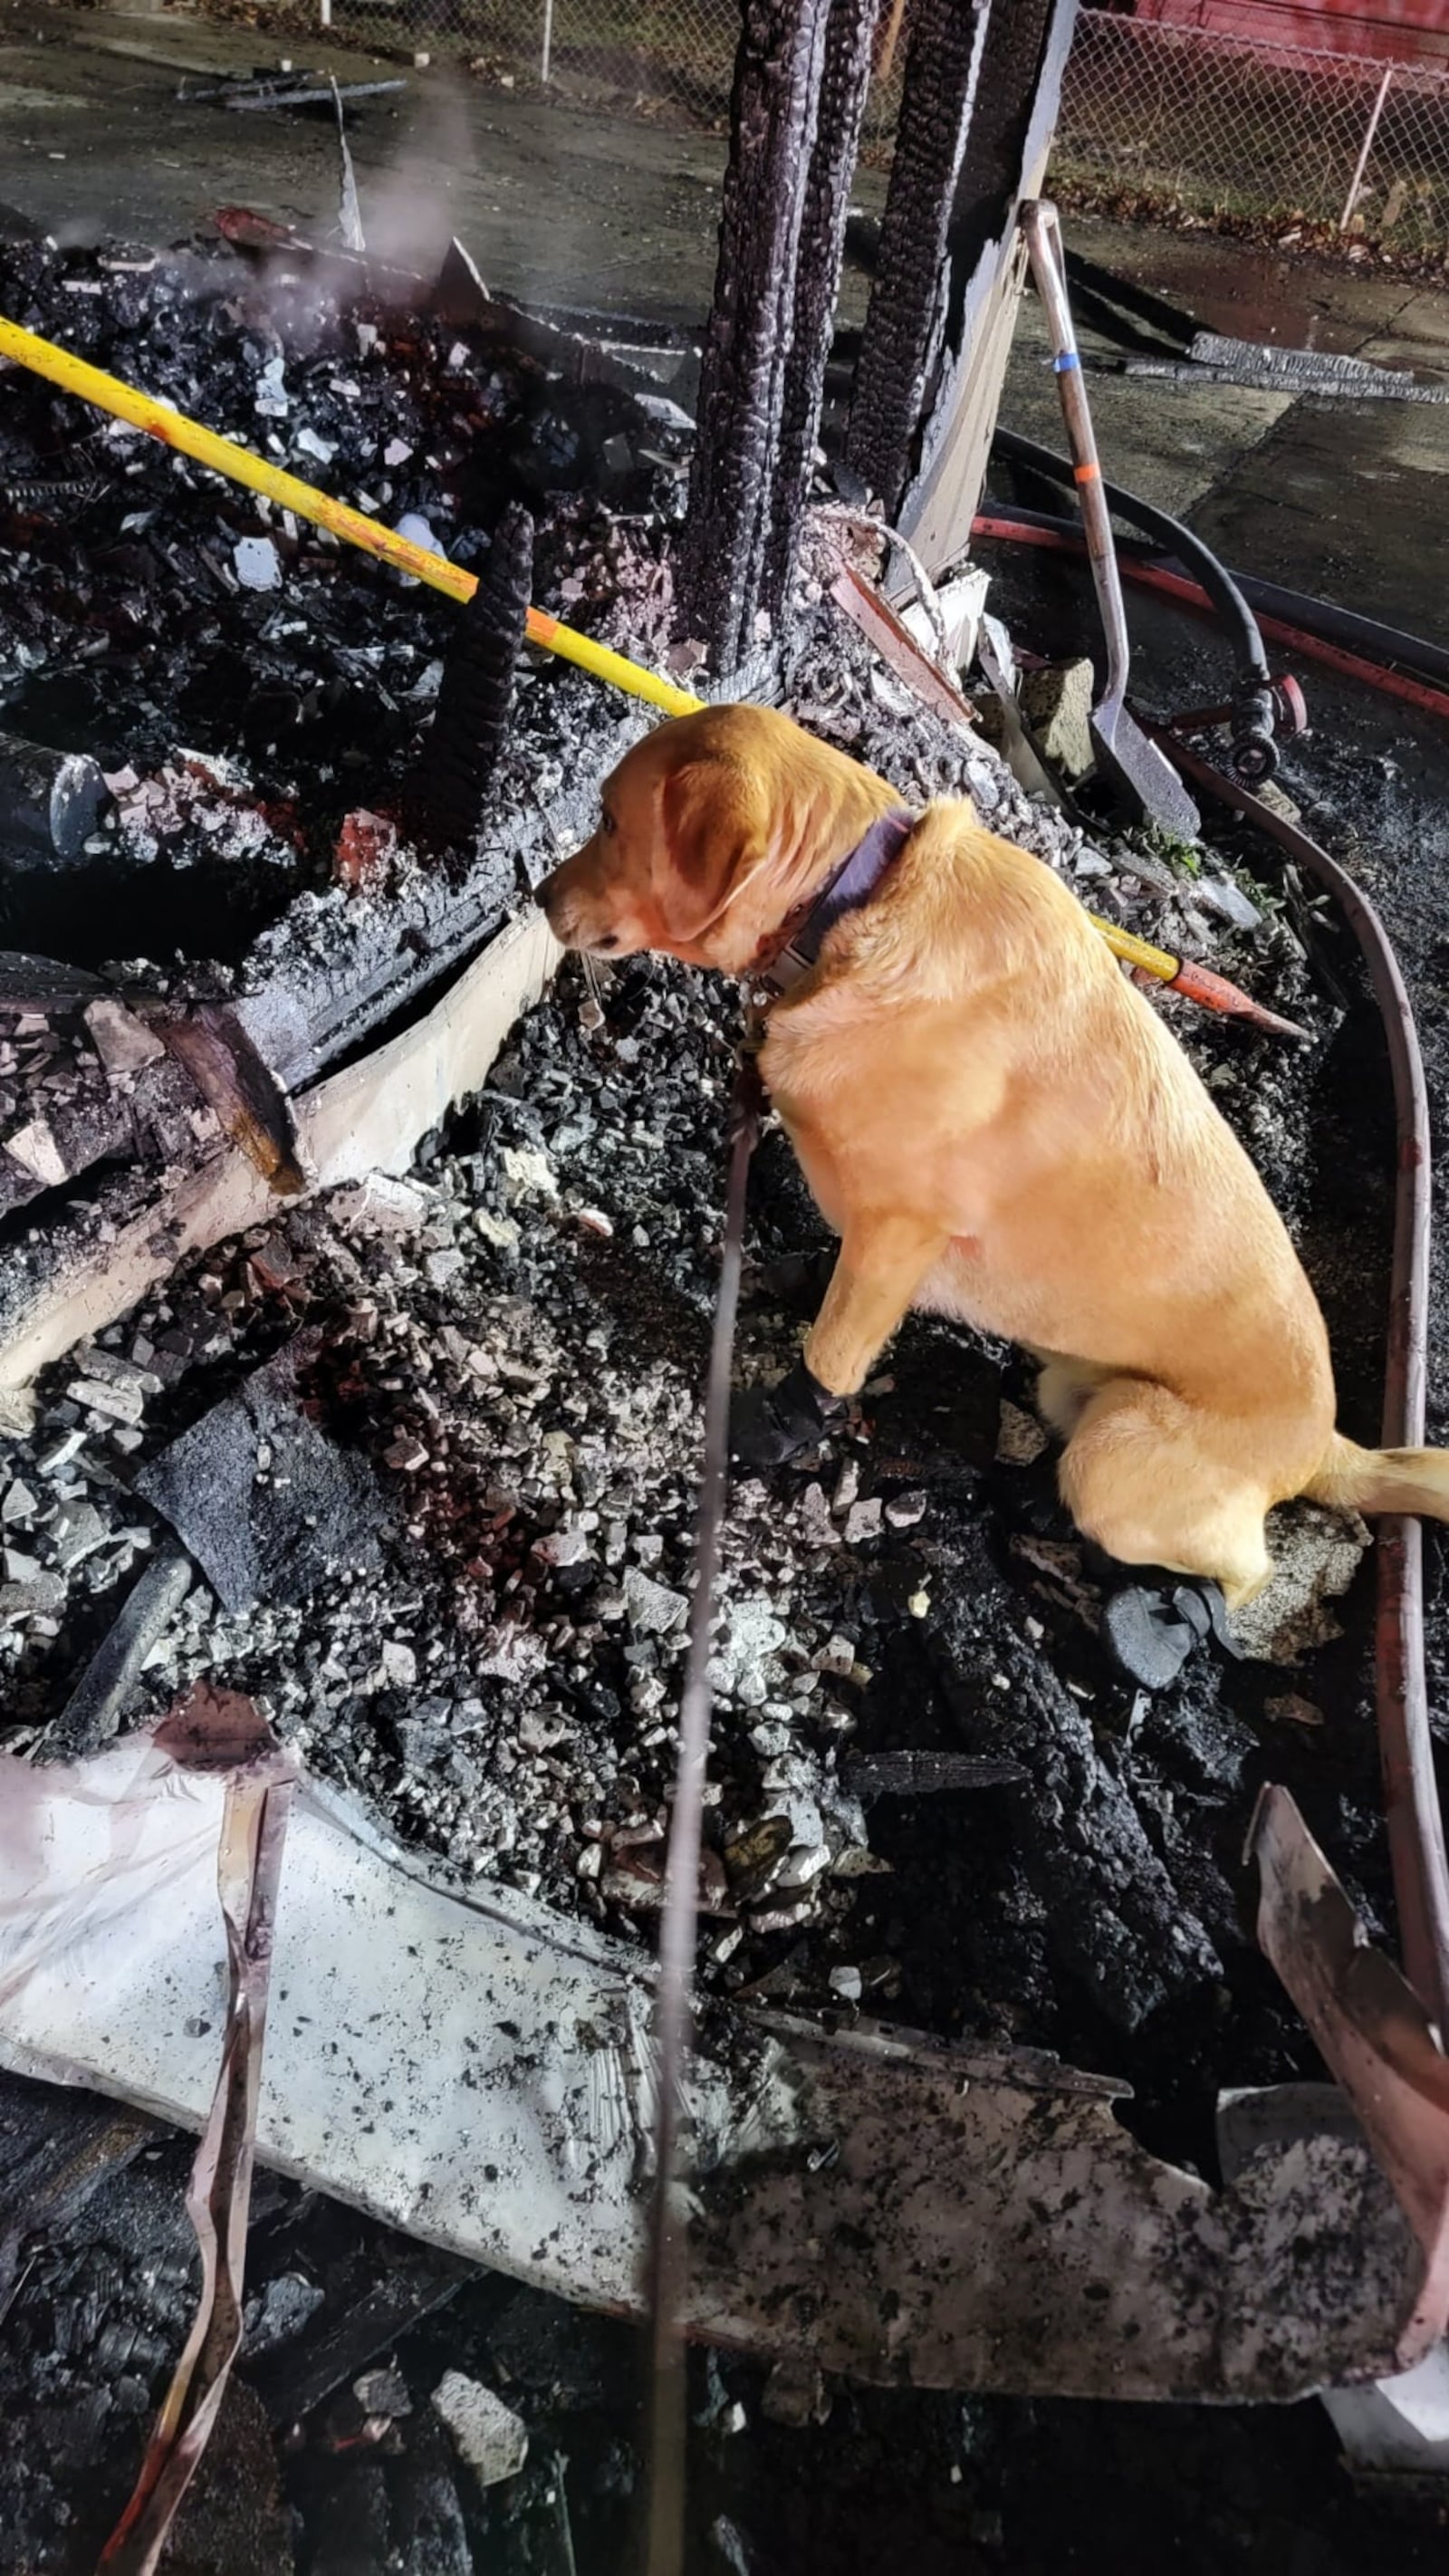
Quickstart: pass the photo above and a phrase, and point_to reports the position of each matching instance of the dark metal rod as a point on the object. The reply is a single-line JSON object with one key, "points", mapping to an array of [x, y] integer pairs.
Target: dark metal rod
{"points": [[669, 2246], [97, 1704]]}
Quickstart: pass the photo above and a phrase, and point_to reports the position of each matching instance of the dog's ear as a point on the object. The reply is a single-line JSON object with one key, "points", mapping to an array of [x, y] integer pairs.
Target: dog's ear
{"points": [[716, 834]]}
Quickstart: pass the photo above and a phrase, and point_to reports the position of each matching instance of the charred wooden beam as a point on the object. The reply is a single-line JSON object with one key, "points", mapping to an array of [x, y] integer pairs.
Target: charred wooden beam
{"points": [[904, 318], [239, 1088], [727, 576], [320, 981], [844, 83], [95, 1261], [50, 803], [315, 987], [444, 794]]}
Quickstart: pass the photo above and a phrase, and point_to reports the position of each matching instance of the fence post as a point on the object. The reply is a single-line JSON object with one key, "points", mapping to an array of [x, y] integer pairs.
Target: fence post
{"points": [[543, 67], [887, 38], [1365, 148]]}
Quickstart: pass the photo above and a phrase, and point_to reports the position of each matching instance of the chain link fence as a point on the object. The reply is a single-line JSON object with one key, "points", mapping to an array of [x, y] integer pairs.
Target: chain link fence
{"points": [[1222, 127], [646, 53], [651, 59], [655, 60], [1154, 117]]}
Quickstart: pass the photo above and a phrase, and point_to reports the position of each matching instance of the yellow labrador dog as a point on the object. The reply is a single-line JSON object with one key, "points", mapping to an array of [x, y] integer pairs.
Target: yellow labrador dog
{"points": [[999, 1128]]}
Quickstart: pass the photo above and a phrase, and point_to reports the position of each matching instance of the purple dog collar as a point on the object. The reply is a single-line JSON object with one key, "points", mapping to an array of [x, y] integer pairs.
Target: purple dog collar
{"points": [[853, 884]]}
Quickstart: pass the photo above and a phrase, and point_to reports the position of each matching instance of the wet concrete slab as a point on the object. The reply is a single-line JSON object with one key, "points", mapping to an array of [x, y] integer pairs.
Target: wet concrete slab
{"points": [[1363, 511], [1343, 499], [594, 209], [1170, 443], [556, 204], [1253, 293]]}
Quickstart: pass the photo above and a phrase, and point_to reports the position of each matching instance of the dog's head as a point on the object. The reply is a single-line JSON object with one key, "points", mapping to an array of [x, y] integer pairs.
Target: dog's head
{"points": [[711, 827]]}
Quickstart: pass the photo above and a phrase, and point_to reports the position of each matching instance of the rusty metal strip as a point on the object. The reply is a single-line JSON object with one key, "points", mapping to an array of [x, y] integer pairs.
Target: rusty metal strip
{"points": [[669, 2215], [1412, 1813], [893, 640], [214, 1729]]}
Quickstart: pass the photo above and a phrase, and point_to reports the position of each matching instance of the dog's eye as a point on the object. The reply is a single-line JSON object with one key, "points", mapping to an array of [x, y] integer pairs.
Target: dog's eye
{"points": [[607, 824]]}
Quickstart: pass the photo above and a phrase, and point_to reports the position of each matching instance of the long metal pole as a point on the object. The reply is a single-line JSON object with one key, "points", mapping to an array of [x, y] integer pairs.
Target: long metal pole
{"points": [[1365, 148], [543, 68]]}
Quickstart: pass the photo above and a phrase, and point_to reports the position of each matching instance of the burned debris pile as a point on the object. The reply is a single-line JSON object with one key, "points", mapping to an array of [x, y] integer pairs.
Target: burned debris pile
{"points": [[211, 709], [507, 1346], [160, 623], [412, 1460]]}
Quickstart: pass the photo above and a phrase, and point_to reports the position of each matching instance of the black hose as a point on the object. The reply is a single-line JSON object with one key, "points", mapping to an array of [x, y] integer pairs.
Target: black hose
{"points": [[1321, 617], [1345, 626], [1250, 660]]}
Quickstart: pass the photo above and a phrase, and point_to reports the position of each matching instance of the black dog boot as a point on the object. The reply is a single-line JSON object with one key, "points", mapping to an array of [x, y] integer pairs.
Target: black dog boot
{"points": [[1151, 1626], [769, 1424]]}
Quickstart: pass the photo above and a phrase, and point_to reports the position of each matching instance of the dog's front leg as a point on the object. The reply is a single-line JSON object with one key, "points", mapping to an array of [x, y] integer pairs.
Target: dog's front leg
{"points": [[881, 1264]]}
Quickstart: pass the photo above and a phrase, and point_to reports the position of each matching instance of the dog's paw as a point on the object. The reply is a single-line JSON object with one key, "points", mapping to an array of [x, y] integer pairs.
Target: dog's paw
{"points": [[770, 1424]]}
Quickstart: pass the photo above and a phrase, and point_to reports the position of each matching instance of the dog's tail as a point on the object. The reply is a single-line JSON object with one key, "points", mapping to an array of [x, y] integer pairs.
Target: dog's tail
{"points": [[1382, 1480]]}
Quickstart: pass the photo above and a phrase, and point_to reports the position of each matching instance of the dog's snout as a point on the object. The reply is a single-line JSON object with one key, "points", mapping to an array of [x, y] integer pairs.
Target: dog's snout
{"points": [[571, 908], [561, 908]]}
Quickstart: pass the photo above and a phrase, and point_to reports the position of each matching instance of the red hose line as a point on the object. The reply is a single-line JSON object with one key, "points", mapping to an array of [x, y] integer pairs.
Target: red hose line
{"points": [[1172, 585]]}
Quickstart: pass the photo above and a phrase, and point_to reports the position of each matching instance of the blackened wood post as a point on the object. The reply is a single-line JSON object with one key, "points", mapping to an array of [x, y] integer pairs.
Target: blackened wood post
{"points": [[907, 305], [724, 561], [444, 795], [844, 83]]}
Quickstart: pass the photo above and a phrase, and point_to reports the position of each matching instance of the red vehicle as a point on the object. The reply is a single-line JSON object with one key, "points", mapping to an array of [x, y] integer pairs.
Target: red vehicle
{"points": [[1406, 31]]}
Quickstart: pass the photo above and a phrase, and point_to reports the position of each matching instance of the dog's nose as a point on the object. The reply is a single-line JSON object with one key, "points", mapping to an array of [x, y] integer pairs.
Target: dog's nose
{"points": [[561, 909]]}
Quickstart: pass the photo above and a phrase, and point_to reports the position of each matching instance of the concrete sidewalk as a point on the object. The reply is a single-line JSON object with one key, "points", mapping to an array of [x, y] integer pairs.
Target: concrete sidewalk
{"points": [[1346, 499]]}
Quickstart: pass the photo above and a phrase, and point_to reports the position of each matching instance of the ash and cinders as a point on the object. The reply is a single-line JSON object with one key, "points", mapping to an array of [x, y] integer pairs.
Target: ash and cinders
{"points": [[162, 622], [461, 1416], [510, 1342]]}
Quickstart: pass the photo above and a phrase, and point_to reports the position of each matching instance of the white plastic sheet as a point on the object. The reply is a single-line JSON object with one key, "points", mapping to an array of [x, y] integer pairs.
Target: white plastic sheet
{"points": [[475, 2070]]}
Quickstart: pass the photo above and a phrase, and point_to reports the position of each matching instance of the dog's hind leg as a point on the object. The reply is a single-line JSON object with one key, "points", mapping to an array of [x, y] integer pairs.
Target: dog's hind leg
{"points": [[1065, 1388], [1144, 1477]]}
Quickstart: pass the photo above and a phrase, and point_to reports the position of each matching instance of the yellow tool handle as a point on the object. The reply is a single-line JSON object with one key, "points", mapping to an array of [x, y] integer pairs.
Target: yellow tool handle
{"points": [[240, 465], [571, 646], [224, 456], [1138, 952]]}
